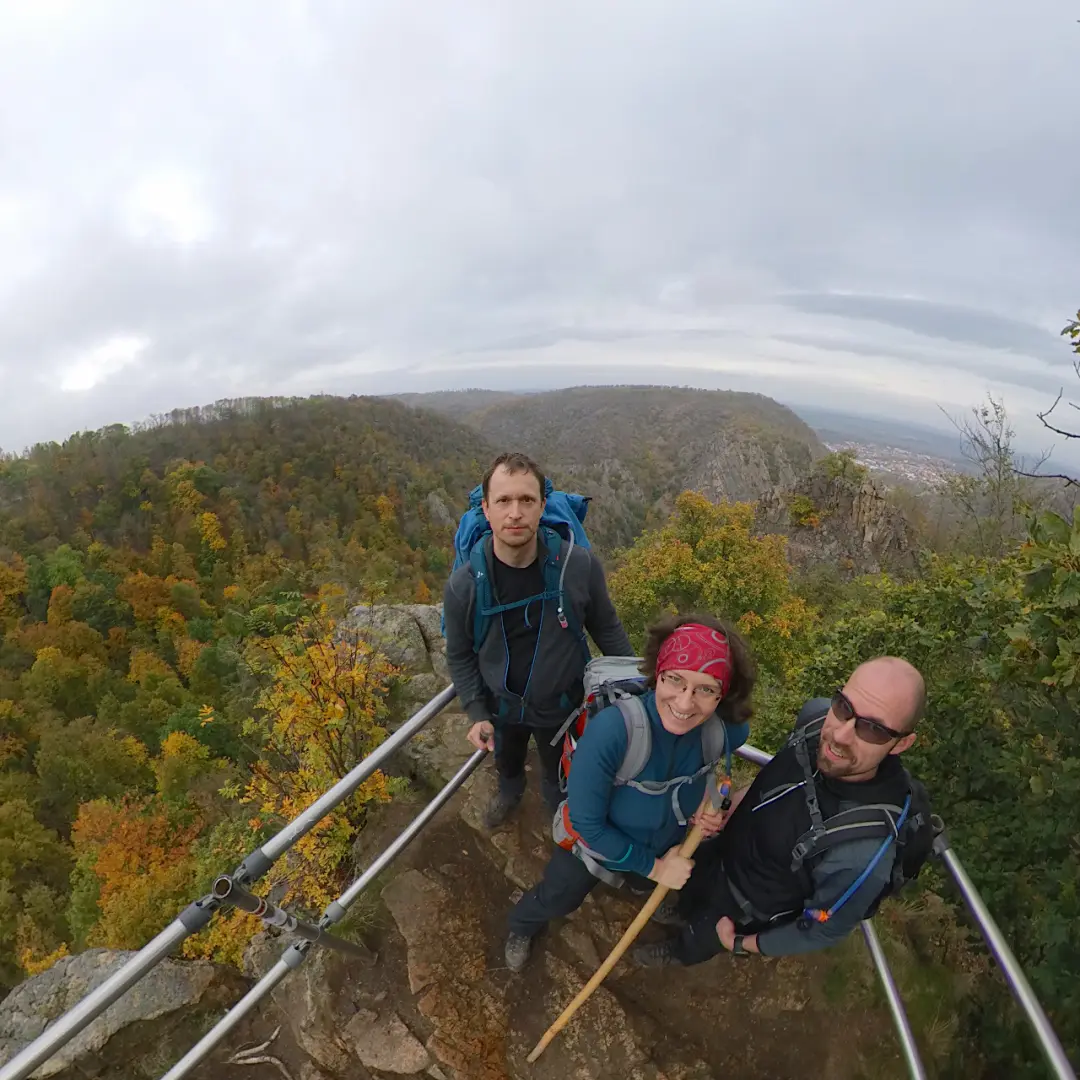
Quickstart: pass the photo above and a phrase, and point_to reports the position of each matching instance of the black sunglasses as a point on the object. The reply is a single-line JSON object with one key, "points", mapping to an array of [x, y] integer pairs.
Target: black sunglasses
{"points": [[870, 731]]}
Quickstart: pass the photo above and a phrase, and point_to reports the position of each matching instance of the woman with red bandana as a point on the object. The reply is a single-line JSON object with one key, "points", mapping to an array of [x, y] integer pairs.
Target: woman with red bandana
{"points": [[695, 667]]}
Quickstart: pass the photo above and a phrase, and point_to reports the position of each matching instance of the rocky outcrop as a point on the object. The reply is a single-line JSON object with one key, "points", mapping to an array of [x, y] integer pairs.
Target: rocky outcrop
{"points": [[850, 526], [739, 468], [139, 1036], [411, 637]]}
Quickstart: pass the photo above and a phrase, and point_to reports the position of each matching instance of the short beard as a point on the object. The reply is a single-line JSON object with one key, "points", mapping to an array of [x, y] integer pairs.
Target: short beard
{"points": [[836, 769]]}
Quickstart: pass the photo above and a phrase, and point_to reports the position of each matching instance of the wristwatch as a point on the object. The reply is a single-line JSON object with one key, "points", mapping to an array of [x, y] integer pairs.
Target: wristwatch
{"points": [[737, 946]]}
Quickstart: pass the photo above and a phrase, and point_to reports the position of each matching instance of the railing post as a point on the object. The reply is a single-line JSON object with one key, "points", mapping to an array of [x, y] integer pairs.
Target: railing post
{"points": [[1021, 989], [896, 1005]]}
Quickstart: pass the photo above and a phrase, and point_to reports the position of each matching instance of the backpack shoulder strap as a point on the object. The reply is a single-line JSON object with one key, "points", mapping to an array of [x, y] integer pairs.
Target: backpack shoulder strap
{"points": [[638, 738], [716, 742], [555, 566], [482, 601]]}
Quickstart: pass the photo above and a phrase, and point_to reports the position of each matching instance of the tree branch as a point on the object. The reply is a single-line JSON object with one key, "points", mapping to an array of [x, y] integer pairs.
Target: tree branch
{"points": [[1046, 423], [1070, 481]]}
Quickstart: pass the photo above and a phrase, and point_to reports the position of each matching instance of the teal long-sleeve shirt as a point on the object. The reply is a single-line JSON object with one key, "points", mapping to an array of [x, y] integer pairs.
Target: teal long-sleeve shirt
{"points": [[626, 827]]}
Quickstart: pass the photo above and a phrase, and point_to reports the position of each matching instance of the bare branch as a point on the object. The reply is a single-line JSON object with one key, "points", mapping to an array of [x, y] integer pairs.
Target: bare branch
{"points": [[1070, 481]]}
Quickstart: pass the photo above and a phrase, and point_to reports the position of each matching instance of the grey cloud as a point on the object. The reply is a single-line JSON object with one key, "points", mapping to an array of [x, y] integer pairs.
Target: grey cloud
{"points": [[396, 187], [950, 322]]}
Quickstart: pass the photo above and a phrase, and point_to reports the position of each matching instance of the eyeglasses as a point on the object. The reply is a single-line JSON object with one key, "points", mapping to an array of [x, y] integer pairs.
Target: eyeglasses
{"points": [[679, 684], [870, 731]]}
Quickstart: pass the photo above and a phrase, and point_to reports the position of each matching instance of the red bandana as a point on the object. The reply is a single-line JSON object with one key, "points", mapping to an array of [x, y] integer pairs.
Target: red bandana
{"points": [[694, 647]]}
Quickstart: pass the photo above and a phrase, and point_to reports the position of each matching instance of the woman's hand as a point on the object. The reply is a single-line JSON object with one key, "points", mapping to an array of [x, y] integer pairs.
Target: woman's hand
{"points": [[711, 821], [672, 869]]}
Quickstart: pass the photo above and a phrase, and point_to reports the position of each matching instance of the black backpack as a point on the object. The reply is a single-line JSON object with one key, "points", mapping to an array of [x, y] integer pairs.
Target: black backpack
{"points": [[911, 828]]}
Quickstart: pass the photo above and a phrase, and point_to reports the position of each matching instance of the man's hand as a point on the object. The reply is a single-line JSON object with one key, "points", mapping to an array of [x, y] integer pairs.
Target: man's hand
{"points": [[725, 931], [672, 870], [482, 735]]}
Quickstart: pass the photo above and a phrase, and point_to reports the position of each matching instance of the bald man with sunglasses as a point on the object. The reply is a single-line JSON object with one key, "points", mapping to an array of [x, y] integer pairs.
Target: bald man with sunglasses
{"points": [[828, 827]]}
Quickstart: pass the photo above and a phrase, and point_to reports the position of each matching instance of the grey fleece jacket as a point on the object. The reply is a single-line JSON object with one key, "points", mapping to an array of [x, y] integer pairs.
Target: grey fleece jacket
{"points": [[556, 683]]}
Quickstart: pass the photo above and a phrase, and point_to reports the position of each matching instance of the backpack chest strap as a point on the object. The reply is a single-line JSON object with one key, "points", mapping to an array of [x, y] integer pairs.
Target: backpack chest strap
{"points": [[674, 785], [872, 821]]}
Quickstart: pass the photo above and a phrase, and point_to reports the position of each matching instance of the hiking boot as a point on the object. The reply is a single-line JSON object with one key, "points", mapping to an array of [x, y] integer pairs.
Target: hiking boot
{"points": [[657, 954], [667, 914], [499, 809], [518, 947]]}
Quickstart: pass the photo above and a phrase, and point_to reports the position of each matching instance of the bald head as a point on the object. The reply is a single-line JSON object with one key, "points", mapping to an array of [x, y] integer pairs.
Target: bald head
{"points": [[895, 685]]}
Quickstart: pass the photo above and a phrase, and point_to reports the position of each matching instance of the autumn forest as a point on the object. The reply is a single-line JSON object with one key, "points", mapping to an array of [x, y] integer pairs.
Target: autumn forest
{"points": [[178, 676]]}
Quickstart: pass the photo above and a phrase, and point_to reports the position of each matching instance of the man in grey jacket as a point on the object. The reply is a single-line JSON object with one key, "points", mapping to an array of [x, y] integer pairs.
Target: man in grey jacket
{"points": [[525, 677], [809, 847]]}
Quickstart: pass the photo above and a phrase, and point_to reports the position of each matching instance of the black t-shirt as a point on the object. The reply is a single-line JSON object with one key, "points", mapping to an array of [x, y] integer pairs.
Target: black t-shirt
{"points": [[521, 625]]}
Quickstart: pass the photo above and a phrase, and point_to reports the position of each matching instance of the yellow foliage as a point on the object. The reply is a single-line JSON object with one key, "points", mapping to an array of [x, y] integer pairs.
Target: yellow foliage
{"points": [[210, 531], [61, 602], [35, 965], [707, 558], [12, 587], [142, 859], [318, 716], [187, 654], [145, 663], [422, 594], [225, 939], [385, 509], [146, 594], [136, 749]]}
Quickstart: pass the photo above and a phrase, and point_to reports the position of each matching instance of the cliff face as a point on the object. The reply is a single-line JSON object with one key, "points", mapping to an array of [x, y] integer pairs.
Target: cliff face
{"points": [[833, 521], [740, 467], [633, 449]]}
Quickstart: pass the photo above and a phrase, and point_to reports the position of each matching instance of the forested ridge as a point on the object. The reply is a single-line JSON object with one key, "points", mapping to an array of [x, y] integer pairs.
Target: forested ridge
{"points": [[175, 682], [171, 683]]}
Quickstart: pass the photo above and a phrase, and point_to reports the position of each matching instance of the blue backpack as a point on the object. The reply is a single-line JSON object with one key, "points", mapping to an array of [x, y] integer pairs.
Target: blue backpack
{"points": [[563, 519]]}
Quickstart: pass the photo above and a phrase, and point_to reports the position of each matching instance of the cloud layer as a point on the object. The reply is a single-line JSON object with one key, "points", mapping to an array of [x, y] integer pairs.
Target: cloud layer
{"points": [[842, 203]]}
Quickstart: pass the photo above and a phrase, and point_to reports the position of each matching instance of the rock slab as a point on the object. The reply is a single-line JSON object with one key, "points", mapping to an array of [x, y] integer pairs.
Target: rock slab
{"points": [[159, 1011]]}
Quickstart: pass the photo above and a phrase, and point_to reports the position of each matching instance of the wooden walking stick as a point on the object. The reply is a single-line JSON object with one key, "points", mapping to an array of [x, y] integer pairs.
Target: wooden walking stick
{"points": [[689, 846]]}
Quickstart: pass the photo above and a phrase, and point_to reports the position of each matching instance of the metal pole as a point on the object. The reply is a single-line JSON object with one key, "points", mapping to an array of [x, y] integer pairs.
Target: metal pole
{"points": [[752, 753], [261, 859], [896, 1004], [64, 1029], [333, 914], [295, 955], [227, 891], [1014, 976]]}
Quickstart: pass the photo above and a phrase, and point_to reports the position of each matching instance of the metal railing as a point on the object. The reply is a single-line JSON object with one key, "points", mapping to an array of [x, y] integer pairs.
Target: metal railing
{"points": [[232, 890], [198, 914]]}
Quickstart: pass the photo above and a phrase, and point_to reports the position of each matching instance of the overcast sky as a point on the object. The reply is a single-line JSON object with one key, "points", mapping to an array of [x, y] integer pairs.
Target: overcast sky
{"points": [[870, 206]]}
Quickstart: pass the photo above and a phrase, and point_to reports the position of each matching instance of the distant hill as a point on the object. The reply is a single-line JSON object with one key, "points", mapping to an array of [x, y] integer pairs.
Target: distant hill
{"points": [[633, 448], [302, 478], [459, 404]]}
